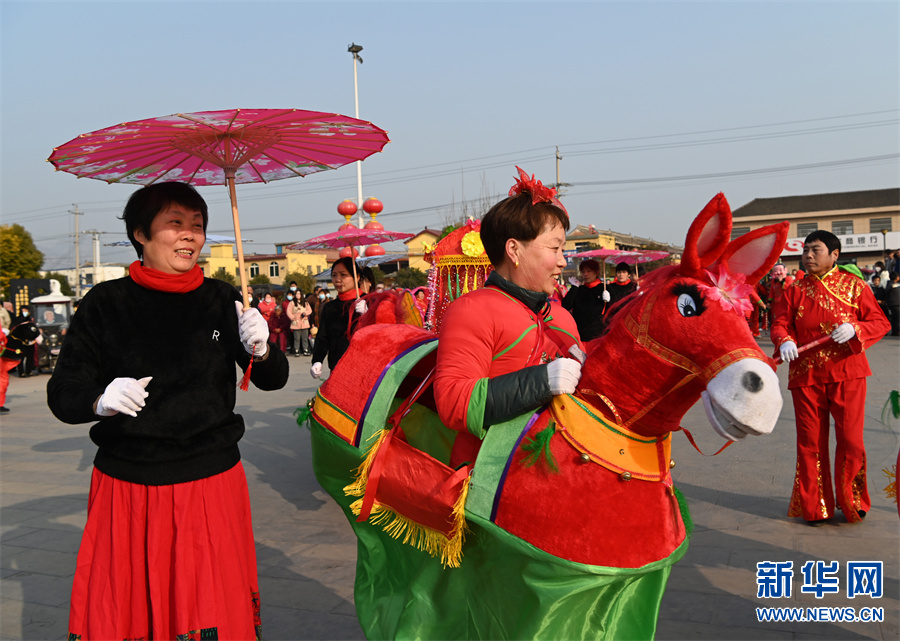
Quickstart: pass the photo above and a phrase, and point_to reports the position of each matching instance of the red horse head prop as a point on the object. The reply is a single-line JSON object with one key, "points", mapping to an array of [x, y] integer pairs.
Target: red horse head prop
{"points": [[684, 335]]}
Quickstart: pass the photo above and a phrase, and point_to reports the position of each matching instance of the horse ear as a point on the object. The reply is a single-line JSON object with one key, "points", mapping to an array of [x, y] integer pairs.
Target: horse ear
{"points": [[708, 236], [754, 253]]}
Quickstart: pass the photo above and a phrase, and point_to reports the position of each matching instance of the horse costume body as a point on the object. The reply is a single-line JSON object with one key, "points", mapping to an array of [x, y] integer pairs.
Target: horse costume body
{"points": [[567, 524]]}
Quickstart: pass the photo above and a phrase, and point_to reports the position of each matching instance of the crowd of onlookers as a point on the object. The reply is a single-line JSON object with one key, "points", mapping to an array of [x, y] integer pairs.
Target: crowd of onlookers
{"points": [[885, 283]]}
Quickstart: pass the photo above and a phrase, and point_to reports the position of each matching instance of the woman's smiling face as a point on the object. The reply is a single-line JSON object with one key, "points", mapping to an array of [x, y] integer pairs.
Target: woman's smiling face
{"points": [[176, 238]]}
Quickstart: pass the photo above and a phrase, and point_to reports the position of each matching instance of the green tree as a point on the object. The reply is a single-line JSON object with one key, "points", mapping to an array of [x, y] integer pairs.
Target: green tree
{"points": [[227, 276], [305, 282], [19, 258], [410, 278], [64, 287], [379, 275], [260, 279]]}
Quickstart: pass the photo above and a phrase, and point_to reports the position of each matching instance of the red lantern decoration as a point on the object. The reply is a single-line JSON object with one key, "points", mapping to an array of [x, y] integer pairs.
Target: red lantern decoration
{"points": [[374, 250], [346, 226], [373, 206], [349, 251], [347, 208], [374, 224]]}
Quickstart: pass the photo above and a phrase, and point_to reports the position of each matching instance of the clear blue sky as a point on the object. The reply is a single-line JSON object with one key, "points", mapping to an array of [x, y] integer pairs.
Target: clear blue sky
{"points": [[710, 96]]}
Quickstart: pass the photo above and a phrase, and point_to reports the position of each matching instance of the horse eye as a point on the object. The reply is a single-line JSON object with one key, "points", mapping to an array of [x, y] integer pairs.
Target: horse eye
{"points": [[687, 306]]}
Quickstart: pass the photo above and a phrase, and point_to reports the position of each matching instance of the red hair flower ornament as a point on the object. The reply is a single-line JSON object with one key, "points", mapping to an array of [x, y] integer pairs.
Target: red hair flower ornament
{"points": [[730, 290], [539, 193]]}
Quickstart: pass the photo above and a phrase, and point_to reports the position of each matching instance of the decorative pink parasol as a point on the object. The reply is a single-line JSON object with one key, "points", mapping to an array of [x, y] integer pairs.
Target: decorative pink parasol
{"points": [[351, 237], [221, 148]]}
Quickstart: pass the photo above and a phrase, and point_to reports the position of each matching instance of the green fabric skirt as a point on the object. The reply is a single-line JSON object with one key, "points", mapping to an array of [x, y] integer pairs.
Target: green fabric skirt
{"points": [[505, 589]]}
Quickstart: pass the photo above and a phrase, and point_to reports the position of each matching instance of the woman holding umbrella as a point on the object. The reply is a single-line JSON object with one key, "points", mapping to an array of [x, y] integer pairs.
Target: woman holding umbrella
{"points": [[168, 547], [504, 348], [337, 317]]}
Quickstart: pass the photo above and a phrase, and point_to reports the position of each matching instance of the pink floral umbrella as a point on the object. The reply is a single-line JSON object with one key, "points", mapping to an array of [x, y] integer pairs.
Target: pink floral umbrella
{"points": [[351, 237], [221, 148]]}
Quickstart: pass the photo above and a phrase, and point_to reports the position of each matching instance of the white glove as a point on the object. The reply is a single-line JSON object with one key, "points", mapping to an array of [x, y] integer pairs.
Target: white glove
{"points": [[577, 353], [606, 296], [563, 375], [40, 339], [361, 306], [125, 395], [253, 329], [316, 370], [788, 351], [843, 333]]}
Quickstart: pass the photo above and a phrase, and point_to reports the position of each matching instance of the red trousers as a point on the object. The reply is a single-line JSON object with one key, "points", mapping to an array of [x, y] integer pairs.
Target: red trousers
{"points": [[813, 497], [5, 366]]}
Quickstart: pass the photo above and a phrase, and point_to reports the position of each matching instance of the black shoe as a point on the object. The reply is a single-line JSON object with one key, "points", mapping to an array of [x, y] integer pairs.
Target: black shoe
{"points": [[862, 513], [816, 523], [4, 410]]}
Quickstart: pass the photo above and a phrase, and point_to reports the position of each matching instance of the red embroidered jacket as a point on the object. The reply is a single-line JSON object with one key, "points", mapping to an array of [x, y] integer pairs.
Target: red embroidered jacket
{"points": [[813, 307]]}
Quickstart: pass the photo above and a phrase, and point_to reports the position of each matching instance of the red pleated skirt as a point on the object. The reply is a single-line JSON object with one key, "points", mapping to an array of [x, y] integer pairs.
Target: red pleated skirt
{"points": [[167, 562]]}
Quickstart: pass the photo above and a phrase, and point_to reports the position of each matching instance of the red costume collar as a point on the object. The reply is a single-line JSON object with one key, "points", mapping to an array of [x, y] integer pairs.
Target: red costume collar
{"points": [[150, 278], [593, 284]]}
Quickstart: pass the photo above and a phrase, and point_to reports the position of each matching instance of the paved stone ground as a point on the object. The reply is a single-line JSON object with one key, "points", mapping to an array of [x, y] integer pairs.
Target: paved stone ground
{"points": [[307, 551]]}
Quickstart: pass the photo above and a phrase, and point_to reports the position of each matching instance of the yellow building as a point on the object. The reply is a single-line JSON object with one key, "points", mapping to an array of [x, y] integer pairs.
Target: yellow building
{"points": [[416, 248], [275, 266], [866, 222], [584, 236]]}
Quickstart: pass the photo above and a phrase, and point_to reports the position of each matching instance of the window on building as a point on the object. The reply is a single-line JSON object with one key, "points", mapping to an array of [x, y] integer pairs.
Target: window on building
{"points": [[309, 270], [805, 229], [877, 224], [739, 231], [237, 272], [273, 269], [254, 270], [842, 227]]}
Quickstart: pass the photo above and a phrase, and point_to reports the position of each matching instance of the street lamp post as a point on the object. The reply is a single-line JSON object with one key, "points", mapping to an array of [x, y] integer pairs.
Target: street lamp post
{"points": [[354, 49], [884, 245]]}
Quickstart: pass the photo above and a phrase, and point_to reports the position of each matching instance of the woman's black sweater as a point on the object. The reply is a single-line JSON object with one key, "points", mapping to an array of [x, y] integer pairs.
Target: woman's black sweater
{"points": [[332, 338], [189, 343]]}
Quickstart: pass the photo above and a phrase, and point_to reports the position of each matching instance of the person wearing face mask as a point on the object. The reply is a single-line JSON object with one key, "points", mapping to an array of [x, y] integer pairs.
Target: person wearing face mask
{"points": [[299, 312], [26, 337], [150, 359], [337, 318], [267, 306], [508, 347]]}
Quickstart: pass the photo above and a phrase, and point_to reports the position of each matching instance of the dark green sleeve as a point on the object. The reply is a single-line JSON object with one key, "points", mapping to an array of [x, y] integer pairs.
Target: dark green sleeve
{"points": [[509, 395]]}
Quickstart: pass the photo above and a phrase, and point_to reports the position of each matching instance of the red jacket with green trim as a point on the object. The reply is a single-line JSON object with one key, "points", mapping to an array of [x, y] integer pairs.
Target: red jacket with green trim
{"points": [[487, 339]]}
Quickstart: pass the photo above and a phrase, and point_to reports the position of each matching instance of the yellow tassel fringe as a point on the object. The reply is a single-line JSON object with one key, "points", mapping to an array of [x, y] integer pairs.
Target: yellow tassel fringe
{"points": [[424, 538], [891, 489]]}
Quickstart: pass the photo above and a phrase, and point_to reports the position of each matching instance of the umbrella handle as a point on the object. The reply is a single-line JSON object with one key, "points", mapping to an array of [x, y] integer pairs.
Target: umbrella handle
{"points": [[229, 180]]}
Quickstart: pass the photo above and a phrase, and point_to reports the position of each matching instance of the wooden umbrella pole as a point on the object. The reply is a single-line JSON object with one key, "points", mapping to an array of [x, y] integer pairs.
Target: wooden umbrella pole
{"points": [[229, 179], [355, 277]]}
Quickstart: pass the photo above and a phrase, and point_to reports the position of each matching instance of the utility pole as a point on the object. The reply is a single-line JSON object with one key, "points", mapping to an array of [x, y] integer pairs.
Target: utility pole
{"points": [[354, 49], [96, 246], [77, 213], [559, 185]]}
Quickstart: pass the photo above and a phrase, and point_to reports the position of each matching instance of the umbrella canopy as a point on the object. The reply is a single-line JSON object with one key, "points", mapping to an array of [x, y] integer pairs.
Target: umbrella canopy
{"points": [[210, 238], [221, 147], [351, 237]]}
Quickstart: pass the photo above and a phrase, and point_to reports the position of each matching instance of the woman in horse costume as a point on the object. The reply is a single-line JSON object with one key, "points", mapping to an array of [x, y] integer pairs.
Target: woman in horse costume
{"points": [[566, 523]]}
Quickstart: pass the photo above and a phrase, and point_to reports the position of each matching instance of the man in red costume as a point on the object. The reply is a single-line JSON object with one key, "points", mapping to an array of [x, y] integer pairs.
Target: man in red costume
{"points": [[828, 379]]}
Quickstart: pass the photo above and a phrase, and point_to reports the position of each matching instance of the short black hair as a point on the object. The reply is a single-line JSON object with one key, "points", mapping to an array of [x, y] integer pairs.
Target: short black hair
{"points": [[144, 204], [591, 264], [828, 239], [517, 217]]}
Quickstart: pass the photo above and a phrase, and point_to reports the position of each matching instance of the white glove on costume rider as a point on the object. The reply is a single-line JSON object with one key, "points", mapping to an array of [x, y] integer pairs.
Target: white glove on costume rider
{"points": [[577, 353], [788, 351], [125, 395], [563, 375], [253, 329], [843, 333], [361, 306], [316, 370], [606, 296]]}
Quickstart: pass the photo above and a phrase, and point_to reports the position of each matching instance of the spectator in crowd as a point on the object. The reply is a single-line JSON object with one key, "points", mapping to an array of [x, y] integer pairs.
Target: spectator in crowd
{"points": [[587, 302], [337, 318], [279, 327], [267, 306], [300, 313], [252, 298], [24, 328], [893, 303]]}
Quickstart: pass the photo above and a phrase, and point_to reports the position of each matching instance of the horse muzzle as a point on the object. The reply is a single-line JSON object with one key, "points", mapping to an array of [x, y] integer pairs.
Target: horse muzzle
{"points": [[743, 398]]}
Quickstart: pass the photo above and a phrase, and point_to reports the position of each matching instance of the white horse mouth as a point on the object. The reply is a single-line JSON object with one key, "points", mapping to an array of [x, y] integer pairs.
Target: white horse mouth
{"points": [[723, 423], [743, 399]]}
